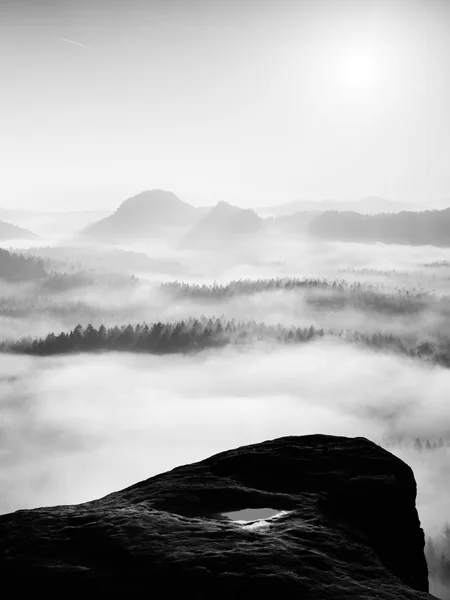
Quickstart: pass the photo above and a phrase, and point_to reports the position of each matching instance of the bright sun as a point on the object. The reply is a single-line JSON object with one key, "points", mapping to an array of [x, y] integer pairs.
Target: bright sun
{"points": [[359, 69]]}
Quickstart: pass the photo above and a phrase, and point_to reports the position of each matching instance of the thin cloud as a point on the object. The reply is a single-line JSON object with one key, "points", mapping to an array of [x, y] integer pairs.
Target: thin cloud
{"points": [[77, 44]]}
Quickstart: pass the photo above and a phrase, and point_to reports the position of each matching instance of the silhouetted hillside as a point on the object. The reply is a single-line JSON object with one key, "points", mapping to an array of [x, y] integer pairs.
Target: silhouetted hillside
{"points": [[154, 213], [224, 223], [294, 224], [368, 205], [430, 227], [12, 232]]}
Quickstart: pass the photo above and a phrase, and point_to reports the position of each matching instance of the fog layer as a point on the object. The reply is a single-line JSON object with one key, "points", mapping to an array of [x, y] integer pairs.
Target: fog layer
{"points": [[76, 428]]}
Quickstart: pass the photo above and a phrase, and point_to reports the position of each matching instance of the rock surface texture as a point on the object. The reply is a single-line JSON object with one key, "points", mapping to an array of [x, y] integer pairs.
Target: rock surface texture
{"points": [[350, 530]]}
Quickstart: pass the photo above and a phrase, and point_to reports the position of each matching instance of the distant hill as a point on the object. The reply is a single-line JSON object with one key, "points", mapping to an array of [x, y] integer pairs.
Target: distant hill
{"points": [[105, 259], [52, 224], [369, 205], [10, 232], [430, 227], [224, 223], [150, 213], [294, 224]]}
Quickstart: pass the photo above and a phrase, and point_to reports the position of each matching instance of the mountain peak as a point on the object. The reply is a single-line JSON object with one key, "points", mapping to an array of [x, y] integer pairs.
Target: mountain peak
{"points": [[151, 212], [224, 223], [162, 199], [231, 209]]}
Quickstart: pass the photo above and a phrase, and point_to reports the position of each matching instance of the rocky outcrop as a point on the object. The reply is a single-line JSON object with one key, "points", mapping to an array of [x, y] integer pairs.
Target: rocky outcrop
{"points": [[348, 528]]}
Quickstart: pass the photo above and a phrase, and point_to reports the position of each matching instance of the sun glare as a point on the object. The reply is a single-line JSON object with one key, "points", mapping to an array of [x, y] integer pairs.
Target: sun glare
{"points": [[359, 69]]}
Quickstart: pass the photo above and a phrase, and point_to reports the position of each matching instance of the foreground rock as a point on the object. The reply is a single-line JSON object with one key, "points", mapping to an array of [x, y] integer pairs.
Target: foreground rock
{"points": [[350, 530]]}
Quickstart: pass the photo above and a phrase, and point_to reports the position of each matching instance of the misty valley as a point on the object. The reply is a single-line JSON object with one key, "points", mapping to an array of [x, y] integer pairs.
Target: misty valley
{"points": [[136, 341], [225, 299]]}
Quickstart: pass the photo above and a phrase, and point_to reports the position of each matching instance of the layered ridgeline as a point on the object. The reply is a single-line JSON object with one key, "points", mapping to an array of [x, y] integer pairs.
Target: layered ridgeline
{"points": [[150, 214], [369, 205], [417, 320], [407, 322], [429, 227], [158, 214], [340, 522], [161, 215], [39, 294]]}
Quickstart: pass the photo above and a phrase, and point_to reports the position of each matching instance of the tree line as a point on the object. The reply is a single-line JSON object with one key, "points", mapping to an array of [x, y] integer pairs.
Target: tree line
{"points": [[437, 554], [418, 444], [183, 336], [203, 333], [247, 287], [319, 293], [15, 267]]}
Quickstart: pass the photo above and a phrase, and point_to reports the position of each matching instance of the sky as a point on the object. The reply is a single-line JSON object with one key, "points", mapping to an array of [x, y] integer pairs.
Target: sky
{"points": [[255, 102]]}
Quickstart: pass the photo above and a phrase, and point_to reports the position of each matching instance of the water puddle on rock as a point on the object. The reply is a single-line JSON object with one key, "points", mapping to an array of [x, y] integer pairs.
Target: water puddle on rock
{"points": [[254, 518]]}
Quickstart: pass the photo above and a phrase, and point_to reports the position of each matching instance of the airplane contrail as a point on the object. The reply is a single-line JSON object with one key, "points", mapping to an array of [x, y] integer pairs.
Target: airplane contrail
{"points": [[77, 44]]}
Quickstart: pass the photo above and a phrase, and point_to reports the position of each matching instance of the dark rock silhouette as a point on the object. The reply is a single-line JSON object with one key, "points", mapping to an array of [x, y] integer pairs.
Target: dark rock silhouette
{"points": [[154, 213], [350, 530]]}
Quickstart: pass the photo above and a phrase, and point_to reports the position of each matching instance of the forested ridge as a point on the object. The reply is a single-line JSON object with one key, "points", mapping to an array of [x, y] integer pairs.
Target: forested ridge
{"points": [[182, 336], [205, 333], [415, 228], [16, 267], [320, 293]]}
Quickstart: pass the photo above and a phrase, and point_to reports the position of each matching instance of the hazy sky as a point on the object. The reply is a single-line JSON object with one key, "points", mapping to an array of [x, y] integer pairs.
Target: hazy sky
{"points": [[250, 101]]}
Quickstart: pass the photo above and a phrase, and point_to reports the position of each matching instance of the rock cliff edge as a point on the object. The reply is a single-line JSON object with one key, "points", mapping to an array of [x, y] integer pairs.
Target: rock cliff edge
{"points": [[347, 528]]}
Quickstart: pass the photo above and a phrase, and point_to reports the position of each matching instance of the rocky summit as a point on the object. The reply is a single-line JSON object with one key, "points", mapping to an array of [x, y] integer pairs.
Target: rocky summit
{"points": [[340, 522]]}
